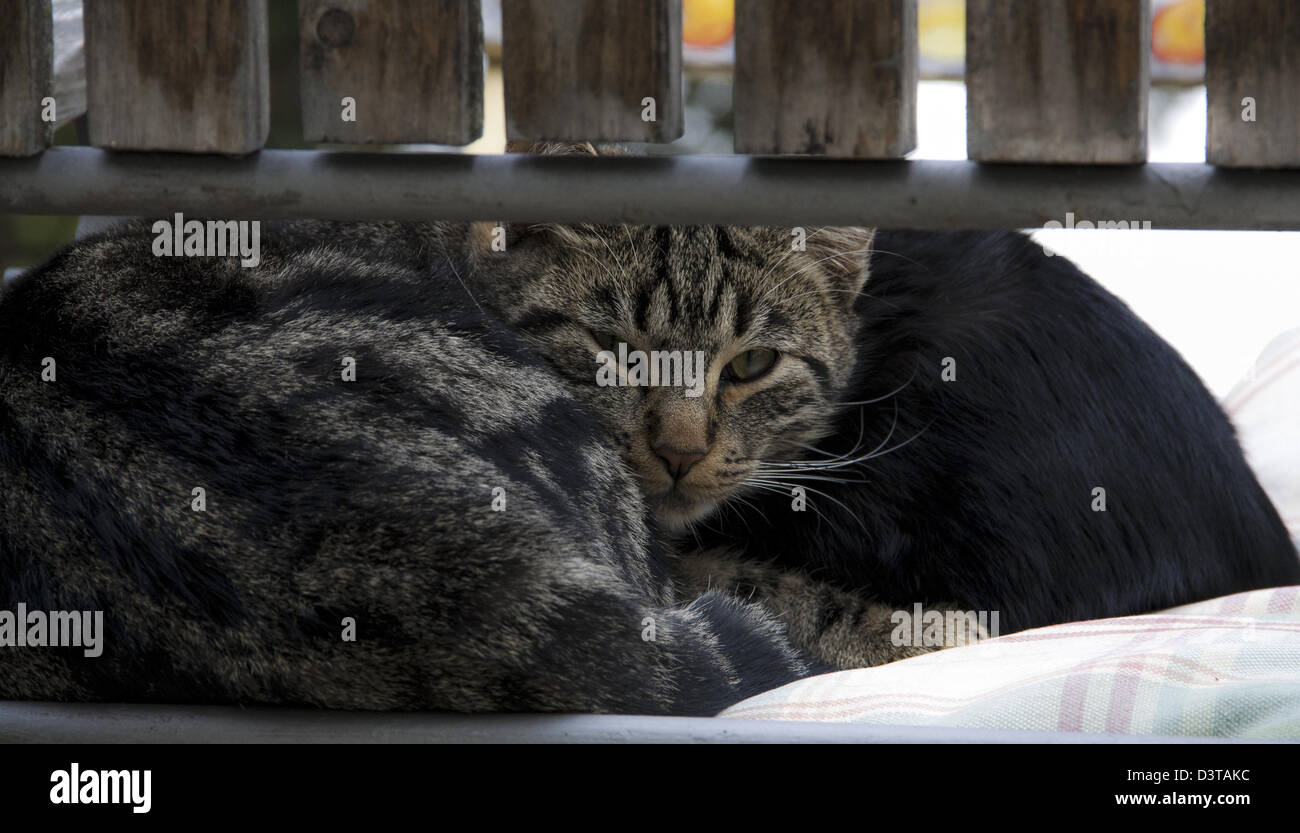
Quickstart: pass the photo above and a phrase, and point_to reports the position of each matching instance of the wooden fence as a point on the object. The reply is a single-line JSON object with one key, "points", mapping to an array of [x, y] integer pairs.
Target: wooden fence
{"points": [[1049, 82]]}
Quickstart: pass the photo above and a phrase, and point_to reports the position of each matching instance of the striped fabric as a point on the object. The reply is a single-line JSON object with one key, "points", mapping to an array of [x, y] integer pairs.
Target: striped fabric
{"points": [[1228, 667]]}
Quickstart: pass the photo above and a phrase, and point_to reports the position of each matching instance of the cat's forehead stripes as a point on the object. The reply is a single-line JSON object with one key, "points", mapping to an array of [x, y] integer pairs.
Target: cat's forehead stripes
{"points": [[701, 285], [711, 288]]}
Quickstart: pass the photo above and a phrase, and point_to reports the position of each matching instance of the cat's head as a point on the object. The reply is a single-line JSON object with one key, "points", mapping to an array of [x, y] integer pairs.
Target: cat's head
{"points": [[770, 311]]}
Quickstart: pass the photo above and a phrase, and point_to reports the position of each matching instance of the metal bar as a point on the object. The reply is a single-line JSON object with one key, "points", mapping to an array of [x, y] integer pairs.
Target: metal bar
{"points": [[735, 190], [97, 723]]}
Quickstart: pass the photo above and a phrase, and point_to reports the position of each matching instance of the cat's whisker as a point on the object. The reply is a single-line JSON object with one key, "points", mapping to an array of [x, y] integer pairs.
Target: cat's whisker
{"points": [[805, 268], [780, 262], [728, 504], [608, 272], [780, 484], [893, 392], [801, 475], [699, 545], [815, 450], [832, 457], [463, 285], [631, 242], [841, 461], [746, 502], [837, 503], [859, 292], [612, 254], [872, 251], [901, 256], [784, 491], [875, 454], [769, 471], [788, 488]]}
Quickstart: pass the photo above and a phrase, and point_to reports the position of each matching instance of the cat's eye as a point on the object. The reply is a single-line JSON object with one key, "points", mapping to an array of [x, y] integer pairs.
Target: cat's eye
{"points": [[750, 365], [604, 339]]}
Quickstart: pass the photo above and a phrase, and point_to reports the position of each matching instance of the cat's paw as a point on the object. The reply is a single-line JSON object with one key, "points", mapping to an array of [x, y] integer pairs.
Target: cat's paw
{"points": [[719, 568], [879, 633]]}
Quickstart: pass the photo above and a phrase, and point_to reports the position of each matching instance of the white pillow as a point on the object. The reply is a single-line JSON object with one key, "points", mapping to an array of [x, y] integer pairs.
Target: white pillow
{"points": [[1265, 407]]}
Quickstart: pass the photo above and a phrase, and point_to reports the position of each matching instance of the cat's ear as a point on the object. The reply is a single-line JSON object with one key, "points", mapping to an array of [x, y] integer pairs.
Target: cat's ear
{"points": [[499, 238], [486, 237], [844, 255]]}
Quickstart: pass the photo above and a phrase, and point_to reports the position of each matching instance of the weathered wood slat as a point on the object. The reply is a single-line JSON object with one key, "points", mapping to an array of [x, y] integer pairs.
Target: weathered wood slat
{"points": [[189, 76], [826, 77], [413, 71], [578, 70], [1252, 79], [26, 64], [1060, 81]]}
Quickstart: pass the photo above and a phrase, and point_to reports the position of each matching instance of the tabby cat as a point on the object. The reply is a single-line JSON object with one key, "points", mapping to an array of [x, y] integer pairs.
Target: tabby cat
{"points": [[181, 448]]}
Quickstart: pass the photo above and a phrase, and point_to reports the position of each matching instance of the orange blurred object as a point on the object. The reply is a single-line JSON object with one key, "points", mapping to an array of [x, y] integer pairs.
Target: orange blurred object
{"points": [[708, 22], [1178, 32]]}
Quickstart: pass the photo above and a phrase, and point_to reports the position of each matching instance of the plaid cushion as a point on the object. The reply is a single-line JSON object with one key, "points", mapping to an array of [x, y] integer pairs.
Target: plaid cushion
{"points": [[1227, 667]]}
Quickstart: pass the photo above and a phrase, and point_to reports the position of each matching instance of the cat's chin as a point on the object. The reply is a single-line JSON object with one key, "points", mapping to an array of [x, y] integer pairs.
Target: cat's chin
{"points": [[675, 512]]}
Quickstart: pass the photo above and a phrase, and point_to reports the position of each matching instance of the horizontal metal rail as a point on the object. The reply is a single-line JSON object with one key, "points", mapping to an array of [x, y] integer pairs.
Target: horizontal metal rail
{"points": [[115, 723], [740, 190]]}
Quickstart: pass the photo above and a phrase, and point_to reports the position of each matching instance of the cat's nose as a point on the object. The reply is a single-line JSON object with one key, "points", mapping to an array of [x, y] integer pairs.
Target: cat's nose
{"points": [[677, 462]]}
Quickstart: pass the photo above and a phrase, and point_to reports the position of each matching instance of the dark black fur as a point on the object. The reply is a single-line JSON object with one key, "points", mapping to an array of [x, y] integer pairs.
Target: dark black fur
{"points": [[984, 495]]}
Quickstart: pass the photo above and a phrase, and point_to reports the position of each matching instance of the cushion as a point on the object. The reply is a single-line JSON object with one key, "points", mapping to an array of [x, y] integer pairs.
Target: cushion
{"points": [[1265, 407], [1227, 667]]}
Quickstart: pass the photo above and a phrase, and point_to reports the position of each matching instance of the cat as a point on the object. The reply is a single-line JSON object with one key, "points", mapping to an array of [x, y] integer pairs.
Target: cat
{"points": [[967, 417], [1014, 439], [337, 479]]}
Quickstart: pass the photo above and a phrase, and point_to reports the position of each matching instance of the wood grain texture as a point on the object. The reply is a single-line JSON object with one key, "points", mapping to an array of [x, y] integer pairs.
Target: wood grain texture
{"points": [[1252, 50], [578, 70], [187, 76], [1061, 81], [414, 70], [26, 66], [826, 77]]}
